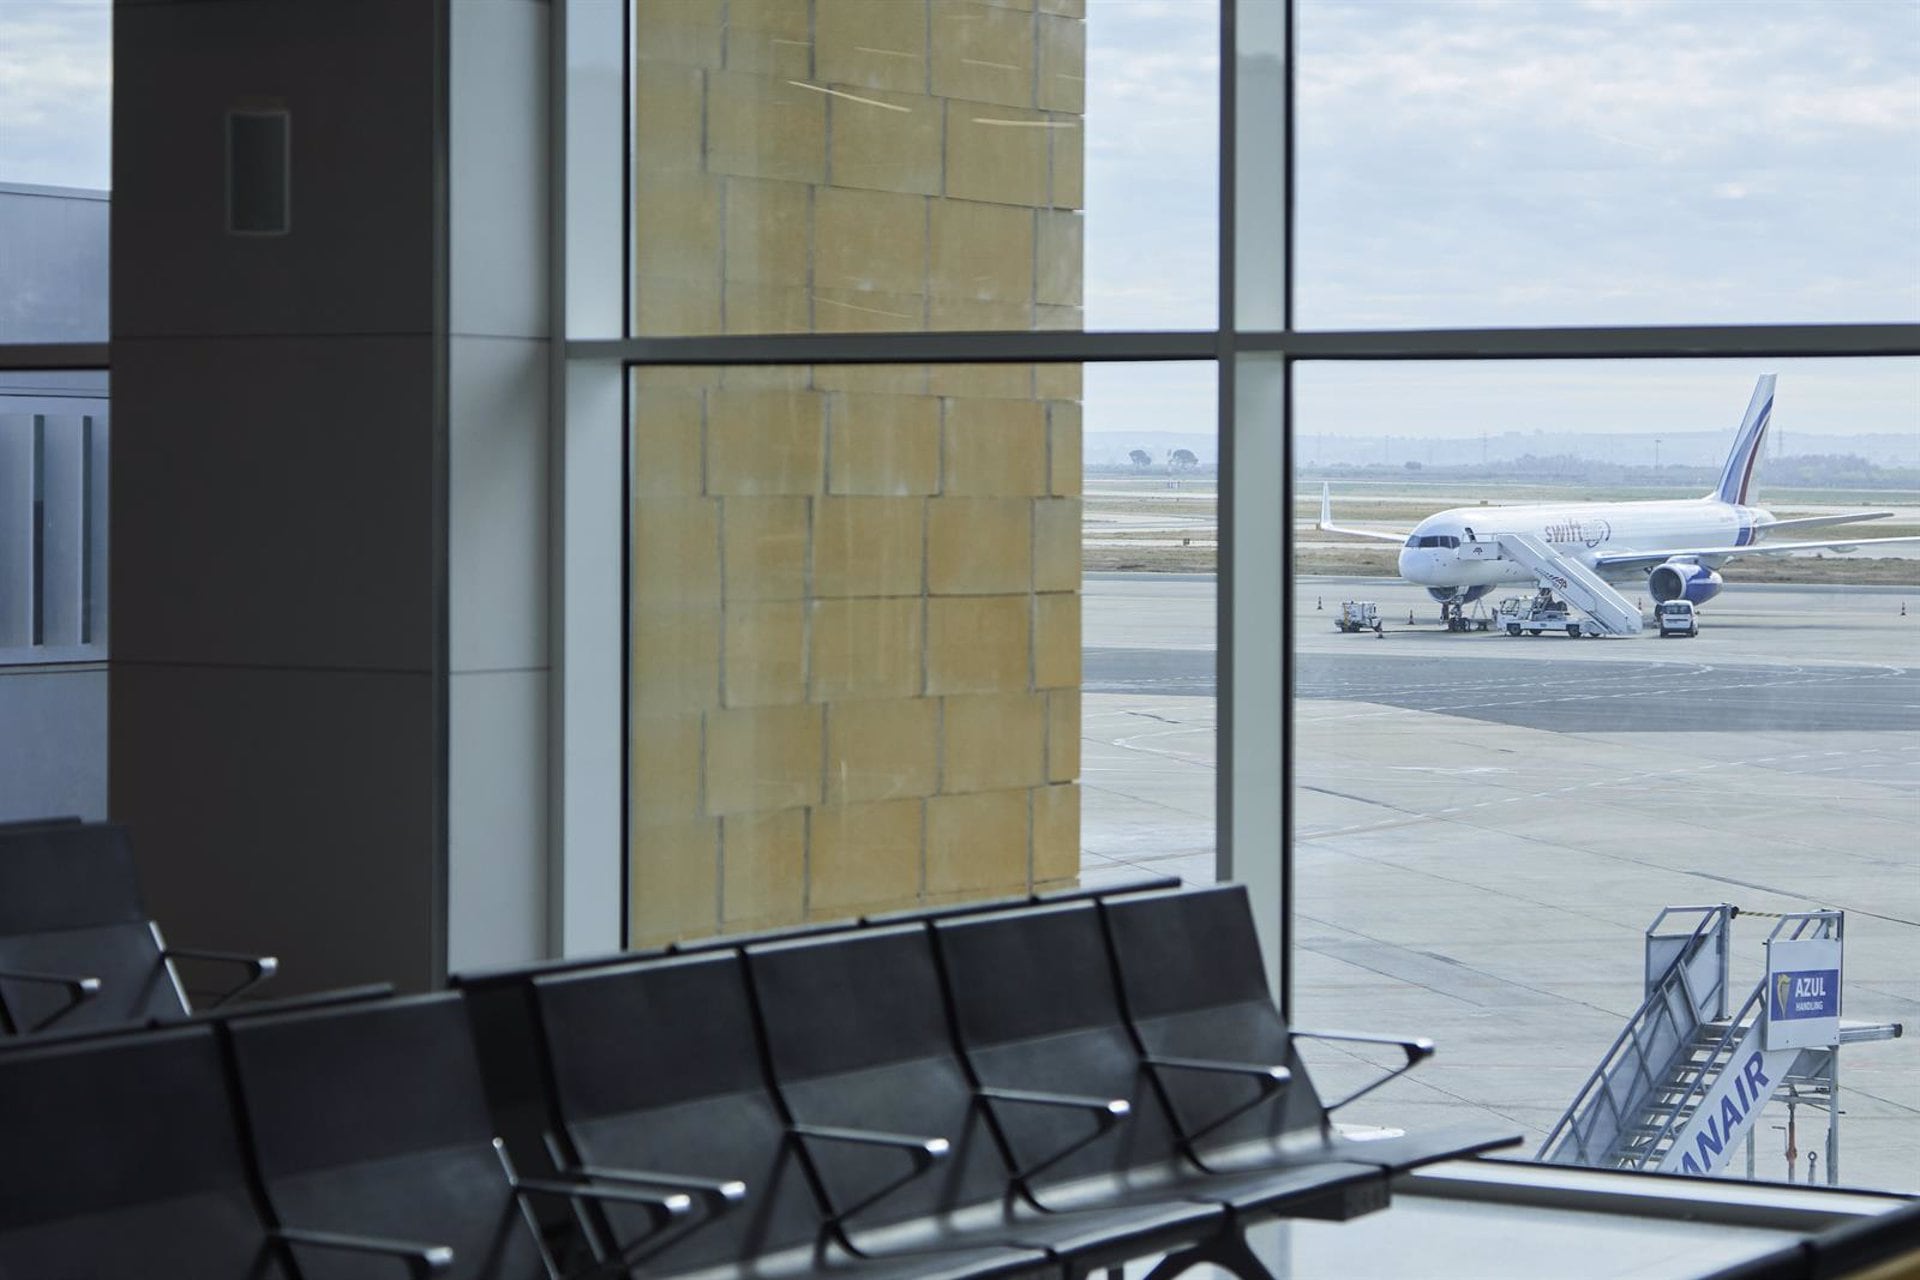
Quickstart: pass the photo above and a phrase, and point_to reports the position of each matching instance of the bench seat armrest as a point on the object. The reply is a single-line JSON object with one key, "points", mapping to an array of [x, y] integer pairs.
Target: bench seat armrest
{"points": [[420, 1260], [922, 1154], [1106, 1113], [258, 968], [1417, 1048], [79, 990]]}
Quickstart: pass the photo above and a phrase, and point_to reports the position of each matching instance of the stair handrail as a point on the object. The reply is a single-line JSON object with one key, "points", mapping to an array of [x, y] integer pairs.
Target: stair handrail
{"points": [[1715, 918], [1829, 924]]}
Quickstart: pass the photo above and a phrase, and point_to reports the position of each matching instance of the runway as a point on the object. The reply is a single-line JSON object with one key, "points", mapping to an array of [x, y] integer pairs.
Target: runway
{"points": [[1484, 825]]}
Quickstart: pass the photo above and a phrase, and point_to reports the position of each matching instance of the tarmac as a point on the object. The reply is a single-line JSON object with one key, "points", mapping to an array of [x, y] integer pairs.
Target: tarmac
{"points": [[1485, 825]]}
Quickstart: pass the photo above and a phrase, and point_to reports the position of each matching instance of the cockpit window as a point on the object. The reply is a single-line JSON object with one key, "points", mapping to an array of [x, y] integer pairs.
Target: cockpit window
{"points": [[1433, 540]]}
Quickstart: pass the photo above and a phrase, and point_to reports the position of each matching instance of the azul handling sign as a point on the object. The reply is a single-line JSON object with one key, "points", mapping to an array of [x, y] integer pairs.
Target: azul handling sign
{"points": [[1803, 993]]}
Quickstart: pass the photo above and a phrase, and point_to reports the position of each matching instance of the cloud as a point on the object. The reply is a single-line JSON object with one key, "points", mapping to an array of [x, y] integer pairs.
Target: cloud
{"points": [[56, 80]]}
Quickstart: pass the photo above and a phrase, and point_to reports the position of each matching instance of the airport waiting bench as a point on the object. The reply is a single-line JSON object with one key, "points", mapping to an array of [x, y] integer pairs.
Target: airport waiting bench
{"points": [[77, 947]]}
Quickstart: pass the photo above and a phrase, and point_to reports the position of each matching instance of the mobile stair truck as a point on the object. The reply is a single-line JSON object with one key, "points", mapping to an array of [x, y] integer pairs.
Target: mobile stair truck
{"points": [[1683, 1085]]}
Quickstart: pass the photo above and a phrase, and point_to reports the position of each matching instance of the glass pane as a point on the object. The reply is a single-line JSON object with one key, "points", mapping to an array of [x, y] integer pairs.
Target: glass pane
{"points": [[1550, 163], [856, 630], [1489, 817], [872, 165]]}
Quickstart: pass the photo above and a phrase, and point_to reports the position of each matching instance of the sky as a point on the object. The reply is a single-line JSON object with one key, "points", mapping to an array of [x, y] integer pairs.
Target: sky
{"points": [[1461, 163]]}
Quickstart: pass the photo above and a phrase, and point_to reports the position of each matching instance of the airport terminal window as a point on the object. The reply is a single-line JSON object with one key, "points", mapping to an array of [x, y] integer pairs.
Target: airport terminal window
{"points": [[1489, 813], [1453, 859]]}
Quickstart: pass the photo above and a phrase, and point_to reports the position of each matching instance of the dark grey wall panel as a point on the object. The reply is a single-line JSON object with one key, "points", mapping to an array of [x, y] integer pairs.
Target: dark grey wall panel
{"points": [[285, 811], [274, 502], [361, 80], [53, 742]]}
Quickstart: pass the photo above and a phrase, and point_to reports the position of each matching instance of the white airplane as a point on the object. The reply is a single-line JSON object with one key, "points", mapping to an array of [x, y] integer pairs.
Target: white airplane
{"points": [[1581, 548]]}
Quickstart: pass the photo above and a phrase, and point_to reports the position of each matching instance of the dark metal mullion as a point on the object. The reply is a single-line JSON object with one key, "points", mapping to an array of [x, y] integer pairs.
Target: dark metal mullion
{"points": [[1226, 480], [1573, 342], [1288, 243]]}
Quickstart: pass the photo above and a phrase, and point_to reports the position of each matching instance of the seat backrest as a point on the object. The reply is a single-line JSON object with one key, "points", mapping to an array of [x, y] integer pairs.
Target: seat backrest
{"points": [[858, 1037], [70, 907], [1195, 985], [1036, 1007], [67, 875], [657, 1067], [123, 1159], [370, 1119]]}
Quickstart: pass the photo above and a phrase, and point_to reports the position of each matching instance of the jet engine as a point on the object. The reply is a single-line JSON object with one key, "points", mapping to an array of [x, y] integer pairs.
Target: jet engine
{"points": [[1459, 595], [1683, 580]]}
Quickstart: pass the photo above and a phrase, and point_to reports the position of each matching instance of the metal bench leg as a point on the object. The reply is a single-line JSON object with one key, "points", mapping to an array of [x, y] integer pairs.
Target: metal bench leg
{"points": [[1228, 1251]]}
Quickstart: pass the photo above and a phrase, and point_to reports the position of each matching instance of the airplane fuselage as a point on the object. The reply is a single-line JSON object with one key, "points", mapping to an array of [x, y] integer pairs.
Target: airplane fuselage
{"points": [[1454, 548]]}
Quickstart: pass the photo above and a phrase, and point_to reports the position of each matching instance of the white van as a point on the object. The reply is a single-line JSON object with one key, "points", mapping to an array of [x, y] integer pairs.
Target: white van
{"points": [[1676, 618]]}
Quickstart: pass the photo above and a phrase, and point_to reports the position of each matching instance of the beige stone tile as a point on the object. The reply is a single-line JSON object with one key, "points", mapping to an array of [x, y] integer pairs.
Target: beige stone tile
{"points": [[979, 644], [1056, 834], [882, 141], [882, 445], [1063, 735], [979, 546], [765, 442], [764, 548], [983, 53], [993, 448], [766, 654], [676, 308], [766, 377], [869, 648], [877, 44], [761, 126], [1069, 163], [993, 741], [1056, 641], [752, 307], [862, 311], [868, 547], [981, 251], [997, 153], [1056, 544], [977, 843], [761, 758], [1003, 381], [682, 31], [667, 435], [665, 754], [882, 749], [763, 868], [950, 315], [669, 117], [880, 379], [666, 377], [869, 241], [1065, 8], [675, 880], [1058, 381], [770, 37], [1070, 319], [676, 659], [1059, 254], [676, 227], [864, 855], [766, 224], [1063, 64], [1066, 458], [676, 551]]}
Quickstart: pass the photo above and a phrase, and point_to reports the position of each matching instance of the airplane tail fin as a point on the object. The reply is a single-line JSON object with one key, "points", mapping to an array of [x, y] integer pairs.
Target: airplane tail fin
{"points": [[1736, 477]]}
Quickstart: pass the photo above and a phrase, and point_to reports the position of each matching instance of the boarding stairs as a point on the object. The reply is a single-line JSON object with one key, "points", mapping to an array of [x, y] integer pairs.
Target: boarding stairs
{"points": [[1579, 585], [1683, 1084]]}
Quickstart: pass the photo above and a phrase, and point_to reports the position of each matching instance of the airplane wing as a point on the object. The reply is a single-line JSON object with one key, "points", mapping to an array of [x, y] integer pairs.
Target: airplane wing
{"points": [[1818, 522], [1762, 549], [1328, 526]]}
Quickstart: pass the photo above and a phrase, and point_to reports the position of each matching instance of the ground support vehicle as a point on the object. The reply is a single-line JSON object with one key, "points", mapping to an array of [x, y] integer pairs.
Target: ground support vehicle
{"points": [[1677, 618], [1542, 612], [1358, 615]]}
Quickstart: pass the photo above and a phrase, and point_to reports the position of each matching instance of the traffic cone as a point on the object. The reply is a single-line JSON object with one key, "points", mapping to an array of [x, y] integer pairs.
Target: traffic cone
{"points": [[1316, 602]]}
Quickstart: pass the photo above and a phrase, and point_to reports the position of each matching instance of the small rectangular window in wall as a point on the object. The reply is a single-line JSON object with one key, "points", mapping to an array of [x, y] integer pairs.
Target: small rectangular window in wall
{"points": [[259, 173]]}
